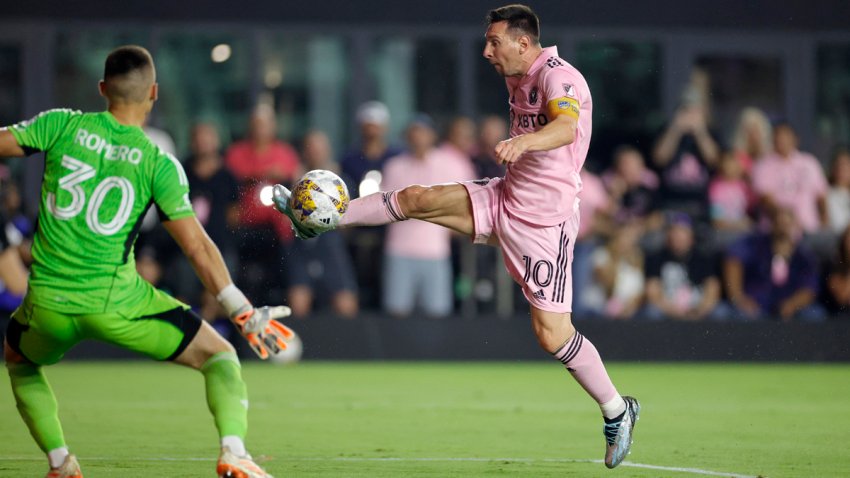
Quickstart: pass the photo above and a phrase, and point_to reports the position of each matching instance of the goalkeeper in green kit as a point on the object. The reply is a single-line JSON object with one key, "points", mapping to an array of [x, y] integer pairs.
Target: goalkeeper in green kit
{"points": [[101, 176]]}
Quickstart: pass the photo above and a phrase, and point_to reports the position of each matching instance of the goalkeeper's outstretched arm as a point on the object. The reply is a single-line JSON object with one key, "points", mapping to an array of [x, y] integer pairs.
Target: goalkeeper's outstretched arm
{"points": [[258, 326], [201, 251]]}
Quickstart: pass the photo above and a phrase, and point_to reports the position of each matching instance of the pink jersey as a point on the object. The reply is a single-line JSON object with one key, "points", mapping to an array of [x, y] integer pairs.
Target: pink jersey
{"points": [[542, 188], [730, 199], [593, 197], [796, 182], [420, 239]]}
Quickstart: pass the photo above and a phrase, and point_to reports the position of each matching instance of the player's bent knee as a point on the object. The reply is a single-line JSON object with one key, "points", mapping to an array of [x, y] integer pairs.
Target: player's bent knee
{"points": [[206, 344], [552, 334], [11, 356], [427, 202]]}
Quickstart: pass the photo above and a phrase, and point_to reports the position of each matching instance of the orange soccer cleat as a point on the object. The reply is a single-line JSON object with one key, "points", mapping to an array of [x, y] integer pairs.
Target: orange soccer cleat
{"points": [[69, 469], [232, 466]]}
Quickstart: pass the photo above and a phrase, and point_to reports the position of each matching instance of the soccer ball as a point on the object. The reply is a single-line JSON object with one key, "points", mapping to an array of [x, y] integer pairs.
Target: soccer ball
{"points": [[291, 354], [319, 200]]}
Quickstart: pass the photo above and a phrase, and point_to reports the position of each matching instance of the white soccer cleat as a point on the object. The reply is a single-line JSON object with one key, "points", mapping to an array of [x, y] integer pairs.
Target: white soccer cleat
{"points": [[619, 435], [69, 469], [232, 466]]}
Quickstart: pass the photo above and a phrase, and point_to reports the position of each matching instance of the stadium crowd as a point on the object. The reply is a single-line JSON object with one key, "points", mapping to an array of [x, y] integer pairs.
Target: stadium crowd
{"points": [[697, 228]]}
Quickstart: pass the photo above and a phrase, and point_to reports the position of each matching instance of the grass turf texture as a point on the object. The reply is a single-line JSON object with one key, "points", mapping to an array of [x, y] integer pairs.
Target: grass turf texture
{"points": [[140, 419]]}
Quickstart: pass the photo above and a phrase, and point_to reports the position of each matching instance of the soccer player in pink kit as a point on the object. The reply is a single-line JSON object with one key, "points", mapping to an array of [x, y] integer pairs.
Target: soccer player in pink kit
{"points": [[531, 213]]}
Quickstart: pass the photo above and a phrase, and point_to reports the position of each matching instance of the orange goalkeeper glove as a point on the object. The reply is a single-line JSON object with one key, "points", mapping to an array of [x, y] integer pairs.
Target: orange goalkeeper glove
{"points": [[264, 334]]}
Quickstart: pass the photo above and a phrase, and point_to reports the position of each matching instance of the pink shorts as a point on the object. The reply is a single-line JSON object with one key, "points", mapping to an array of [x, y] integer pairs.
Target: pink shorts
{"points": [[539, 258]]}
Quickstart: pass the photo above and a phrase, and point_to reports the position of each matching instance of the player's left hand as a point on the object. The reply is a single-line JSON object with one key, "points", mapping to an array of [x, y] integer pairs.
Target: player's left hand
{"points": [[262, 331], [510, 150]]}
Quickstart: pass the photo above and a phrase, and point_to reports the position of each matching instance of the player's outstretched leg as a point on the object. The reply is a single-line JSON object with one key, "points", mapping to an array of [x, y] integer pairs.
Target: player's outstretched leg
{"points": [[557, 335], [227, 398], [444, 204], [37, 406]]}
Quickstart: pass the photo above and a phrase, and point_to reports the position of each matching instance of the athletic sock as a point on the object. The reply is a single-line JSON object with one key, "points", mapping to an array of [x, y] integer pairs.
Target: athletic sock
{"points": [[227, 396], [37, 405], [57, 456], [582, 360], [235, 444], [614, 409], [373, 210]]}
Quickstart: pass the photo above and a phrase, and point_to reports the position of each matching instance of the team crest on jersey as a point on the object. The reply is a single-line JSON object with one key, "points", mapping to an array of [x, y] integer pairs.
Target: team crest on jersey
{"points": [[532, 96], [554, 62], [569, 90]]}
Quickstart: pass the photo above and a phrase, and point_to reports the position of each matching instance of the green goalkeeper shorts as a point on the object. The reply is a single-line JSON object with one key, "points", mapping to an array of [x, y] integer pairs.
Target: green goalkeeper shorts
{"points": [[161, 327]]}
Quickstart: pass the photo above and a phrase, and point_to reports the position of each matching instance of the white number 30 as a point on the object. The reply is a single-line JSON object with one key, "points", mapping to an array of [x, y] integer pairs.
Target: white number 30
{"points": [[81, 172]]}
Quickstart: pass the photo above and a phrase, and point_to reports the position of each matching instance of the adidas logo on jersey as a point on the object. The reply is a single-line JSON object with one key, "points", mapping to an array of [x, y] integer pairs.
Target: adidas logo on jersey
{"points": [[539, 295]]}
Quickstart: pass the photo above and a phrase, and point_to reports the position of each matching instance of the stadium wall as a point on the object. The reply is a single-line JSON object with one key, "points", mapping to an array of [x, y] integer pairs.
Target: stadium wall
{"points": [[380, 338]]}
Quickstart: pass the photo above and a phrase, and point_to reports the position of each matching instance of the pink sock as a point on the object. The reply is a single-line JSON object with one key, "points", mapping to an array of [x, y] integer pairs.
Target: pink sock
{"points": [[584, 363], [373, 210]]}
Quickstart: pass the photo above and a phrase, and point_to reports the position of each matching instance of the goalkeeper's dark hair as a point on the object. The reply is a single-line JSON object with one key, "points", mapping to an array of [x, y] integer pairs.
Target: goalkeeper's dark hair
{"points": [[521, 19], [129, 73]]}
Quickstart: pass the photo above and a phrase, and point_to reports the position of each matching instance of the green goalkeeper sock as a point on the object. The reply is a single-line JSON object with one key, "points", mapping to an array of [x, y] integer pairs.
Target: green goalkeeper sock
{"points": [[227, 396], [37, 405]]}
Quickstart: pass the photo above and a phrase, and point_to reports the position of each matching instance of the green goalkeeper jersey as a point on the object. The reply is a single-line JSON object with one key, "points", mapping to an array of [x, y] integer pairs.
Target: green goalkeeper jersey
{"points": [[100, 178]]}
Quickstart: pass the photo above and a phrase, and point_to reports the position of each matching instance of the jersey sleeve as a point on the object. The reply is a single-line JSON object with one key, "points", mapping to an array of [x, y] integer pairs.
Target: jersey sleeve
{"points": [[561, 93], [171, 189], [41, 132]]}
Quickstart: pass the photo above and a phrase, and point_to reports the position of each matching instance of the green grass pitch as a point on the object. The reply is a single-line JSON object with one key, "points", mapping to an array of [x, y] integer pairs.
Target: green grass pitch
{"points": [[139, 419]]}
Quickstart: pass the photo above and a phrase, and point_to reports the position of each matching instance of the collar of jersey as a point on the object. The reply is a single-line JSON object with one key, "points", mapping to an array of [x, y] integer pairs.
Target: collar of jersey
{"points": [[544, 55], [114, 122]]}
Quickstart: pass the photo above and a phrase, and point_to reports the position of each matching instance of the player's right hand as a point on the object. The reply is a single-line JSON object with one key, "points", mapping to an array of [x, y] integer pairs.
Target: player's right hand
{"points": [[262, 331], [510, 150], [280, 198]]}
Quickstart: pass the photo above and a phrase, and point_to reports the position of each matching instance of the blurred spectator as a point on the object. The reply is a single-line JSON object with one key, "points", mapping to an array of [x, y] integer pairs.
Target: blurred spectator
{"points": [[681, 281], [11, 205], [773, 274], [214, 191], [633, 189], [595, 223], [373, 151], [321, 267], [686, 153], [214, 194], [617, 291], [791, 179], [263, 157], [417, 258], [13, 273], [491, 130], [258, 162], [731, 199], [752, 138], [838, 196], [838, 281], [460, 138]]}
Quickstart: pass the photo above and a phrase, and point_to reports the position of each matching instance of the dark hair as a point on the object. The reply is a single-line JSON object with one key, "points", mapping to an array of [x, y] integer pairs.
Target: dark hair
{"points": [[126, 59], [783, 123], [129, 74], [519, 17], [624, 149]]}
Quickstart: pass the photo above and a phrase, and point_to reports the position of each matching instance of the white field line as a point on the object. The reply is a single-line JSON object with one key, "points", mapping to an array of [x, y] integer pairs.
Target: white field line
{"points": [[677, 469]]}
